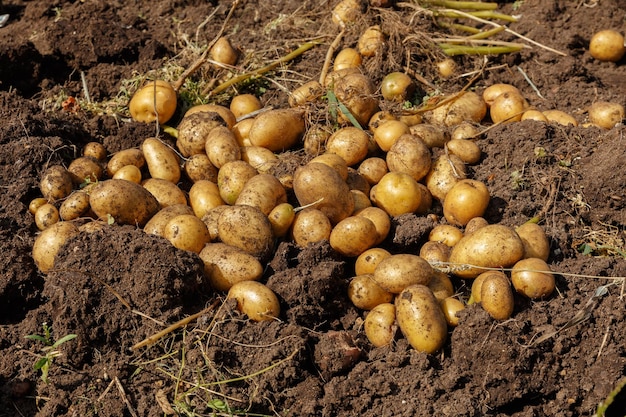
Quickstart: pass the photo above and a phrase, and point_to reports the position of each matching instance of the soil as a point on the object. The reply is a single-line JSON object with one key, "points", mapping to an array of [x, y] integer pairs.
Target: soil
{"points": [[115, 287]]}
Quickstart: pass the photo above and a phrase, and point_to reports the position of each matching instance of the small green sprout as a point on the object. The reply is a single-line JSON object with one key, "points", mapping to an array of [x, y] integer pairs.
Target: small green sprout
{"points": [[49, 351]]}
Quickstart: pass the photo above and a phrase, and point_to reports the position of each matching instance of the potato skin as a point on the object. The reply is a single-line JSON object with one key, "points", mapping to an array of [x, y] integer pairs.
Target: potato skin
{"points": [[162, 162], [379, 324], [74, 206], [536, 243], [247, 228], [465, 200], [159, 94], [399, 271], [255, 300], [365, 293], [410, 155], [420, 318], [48, 243], [156, 225], [56, 183], [167, 193], [187, 232], [125, 201], [529, 279], [496, 296], [131, 156], [263, 191], [353, 236], [277, 130], [225, 265]]}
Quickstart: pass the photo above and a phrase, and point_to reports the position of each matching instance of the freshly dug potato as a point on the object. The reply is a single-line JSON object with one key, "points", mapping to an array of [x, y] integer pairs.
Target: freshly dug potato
{"points": [[477, 285], [399, 271], [247, 228], [95, 150], [85, 169], [187, 232], [56, 183], [446, 234], [367, 261], [314, 140], [262, 159], [560, 117], [334, 161], [441, 286], [371, 41], [320, 184], [606, 114], [508, 107], [536, 243], [466, 107], [223, 52], [194, 129], [356, 92], [373, 169], [466, 150], [125, 201], [232, 177], [347, 58], [607, 45], [420, 318], [203, 196], [379, 325], [277, 130], [162, 161], [532, 114], [491, 246], [464, 201], [167, 193], [310, 226], [263, 191], [361, 200], [225, 265], [496, 296], [281, 217], [211, 219], [397, 86], [532, 278], [46, 216], [365, 293], [255, 300], [156, 100], [408, 154], [74, 206], [48, 243], [125, 157], [435, 252], [346, 12], [129, 173], [156, 225], [475, 224], [381, 221], [433, 136], [495, 90], [35, 203], [397, 193], [353, 235], [199, 167], [389, 132], [221, 146], [224, 112], [464, 131], [243, 104], [450, 307], [306, 93], [350, 143], [444, 172]]}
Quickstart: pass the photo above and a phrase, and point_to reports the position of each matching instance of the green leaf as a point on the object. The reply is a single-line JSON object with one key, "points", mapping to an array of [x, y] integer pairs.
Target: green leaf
{"points": [[64, 339], [40, 363], [37, 337]]}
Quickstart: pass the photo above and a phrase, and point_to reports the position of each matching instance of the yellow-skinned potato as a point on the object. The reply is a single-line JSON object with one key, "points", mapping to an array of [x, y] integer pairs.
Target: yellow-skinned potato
{"points": [[56, 183], [380, 324], [225, 265], [345, 12], [95, 150], [155, 100], [533, 114], [347, 58], [281, 217], [464, 131], [199, 167], [508, 107], [491, 246], [255, 300], [223, 52], [496, 296], [306, 93], [351, 143], [125, 157], [46, 216], [445, 171], [231, 179], [606, 114], [334, 161], [465, 200], [194, 129], [536, 243], [365, 293], [310, 226], [224, 113], [314, 140], [431, 135], [162, 161], [371, 41], [277, 130], [129, 173], [221, 146], [367, 261], [466, 150], [475, 224], [74, 206], [446, 67], [361, 201], [203, 196], [397, 86], [399, 271], [167, 193], [48, 243], [156, 225], [495, 90], [353, 235], [477, 285], [607, 45], [441, 285], [373, 169], [85, 169], [211, 218], [397, 193], [356, 92], [243, 104], [263, 191], [124, 201], [466, 107], [358, 182], [560, 117], [446, 234], [420, 318], [426, 199], [35, 203], [450, 307], [532, 277], [389, 132], [435, 252], [381, 221], [247, 228], [262, 159], [187, 232], [408, 154]]}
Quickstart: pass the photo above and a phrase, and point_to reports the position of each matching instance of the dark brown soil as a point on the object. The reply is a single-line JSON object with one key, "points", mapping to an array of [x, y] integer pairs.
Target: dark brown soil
{"points": [[115, 287]]}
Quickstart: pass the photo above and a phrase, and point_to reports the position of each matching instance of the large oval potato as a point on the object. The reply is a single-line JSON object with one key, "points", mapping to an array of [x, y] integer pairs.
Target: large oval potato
{"points": [[85, 169], [465, 107], [409, 155], [225, 265], [199, 167], [231, 179], [536, 243], [247, 228], [255, 300], [167, 193], [353, 235], [74, 206], [48, 243], [187, 232], [221, 146], [56, 183], [401, 270], [263, 191], [204, 195], [124, 201], [162, 161], [277, 130], [310, 226], [496, 296]]}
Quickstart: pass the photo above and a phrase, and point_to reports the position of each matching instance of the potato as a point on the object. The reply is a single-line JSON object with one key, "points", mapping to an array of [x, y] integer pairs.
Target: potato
{"points": [[367, 261], [306, 93], [432, 136], [533, 114], [85, 169], [162, 161], [379, 324], [464, 131], [347, 58], [156, 225], [560, 117], [408, 154], [371, 41], [444, 172], [224, 113], [225, 265], [420, 318], [74, 206], [399, 271], [129, 173], [56, 183], [496, 296], [199, 167], [310, 226], [358, 182], [92, 226], [262, 191], [314, 140], [606, 114], [465, 200], [243, 104], [247, 228], [446, 67], [536, 243], [187, 232], [241, 130], [124, 201], [49, 242], [365, 293], [389, 132], [607, 45], [466, 107], [223, 52], [493, 91], [95, 150], [345, 12], [262, 159], [156, 100], [379, 118], [46, 216], [435, 252], [450, 307], [446, 234], [373, 169], [491, 246], [194, 129], [397, 193], [231, 179], [350, 143], [361, 200], [441, 286], [167, 193], [477, 285], [475, 224], [125, 157], [255, 300], [277, 130], [381, 221], [532, 278], [508, 107], [356, 92], [353, 235], [35, 203], [222, 147], [334, 161], [281, 217], [320, 184], [203, 196], [397, 86], [466, 150]]}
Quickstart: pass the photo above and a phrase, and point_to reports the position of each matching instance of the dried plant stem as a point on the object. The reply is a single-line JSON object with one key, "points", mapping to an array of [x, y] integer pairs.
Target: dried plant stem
{"points": [[329, 55], [471, 5]]}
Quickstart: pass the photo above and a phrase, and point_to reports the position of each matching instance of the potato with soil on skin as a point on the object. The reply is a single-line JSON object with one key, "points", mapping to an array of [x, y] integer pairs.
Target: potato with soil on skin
{"points": [[532, 278], [255, 300], [356, 92], [495, 90], [464, 201], [465, 131], [397, 193], [281, 217], [607, 45], [435, 252], [431, 135], [203, 196], [477, 283], [365, 293], [367, 261], [446, 234], [85, 169], [560, 117], [224, 113], [441, 285], [232, 177], [187, 232], [223, 52], [397, 86], [421, 319], [261, 159], [263, 191], [399, 271], [491, 246], [35, 203], [408, 154], [353, 235], [347, 58], [464, 107], [475, 224], [162, 161], [379, 324], [277, 130], [225, 265], [156, 224], [320, 184], [310, 226], [95, 150], [129, 173], [496, 296], [48, 243], [389, 132], [124, 201], [306, 93], [247, 228], [56, 183], [450, 307], [154, 100], [74, 206], [466, 150], [46, 216], [444, 172], [167, 193], [350, 143], [381, 221], [131, 156], [314, 140], [536, 243], [199, 167], [221, 146], [373, 169], [243, 104], [606, 114], [371, 41], [194, 129], [334, 161], [508, 107]]}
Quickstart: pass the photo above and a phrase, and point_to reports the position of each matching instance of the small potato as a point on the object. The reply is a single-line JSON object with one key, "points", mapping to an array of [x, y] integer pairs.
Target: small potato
{"points": [[508, 107], [496, 296], [167, 193], [350, 143], [281, 217], [467, 150], [450, 307], [465, 107], [223, 52], [446, 234], [306, 93], [491, 246], [353, 235], [532, 278], [162, 161], [361, 200], [194, 129], [243, 104], [263, 191], [85, 169], [446, 67], [532, 114], [475, 224], [247, 228], [92, 226], [379, 324], [432, 136], [46, 216], [465, 200], [379, 118], [346, 12], [365, 293], [435, 252], [399, 271], [495, 90], [74, 206], [129, 173], [156, 225], [371, 41], [397, 193], [420, 318], [389, 132], [35, 203], [261, 159], [606, 114], [203, 196], [255, 300], [125, 157], [187, 232], [221, 146], [381, 221], [358, 182], [231, 179], [95, 150], [314, 140], [408, 154], [373, 169], [225, 265], [441, 286], [367, 261], [347, 58], [356, 92], [536, 243], [310, 226], [444, 172], [56, 183], [199, 167], [211, 219], [560, 117], [477, 285], [155, 100], [607, 45], [465, 131], [277, 130], [224, 113], [49, 242], [124, 201], [397, 86]]}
